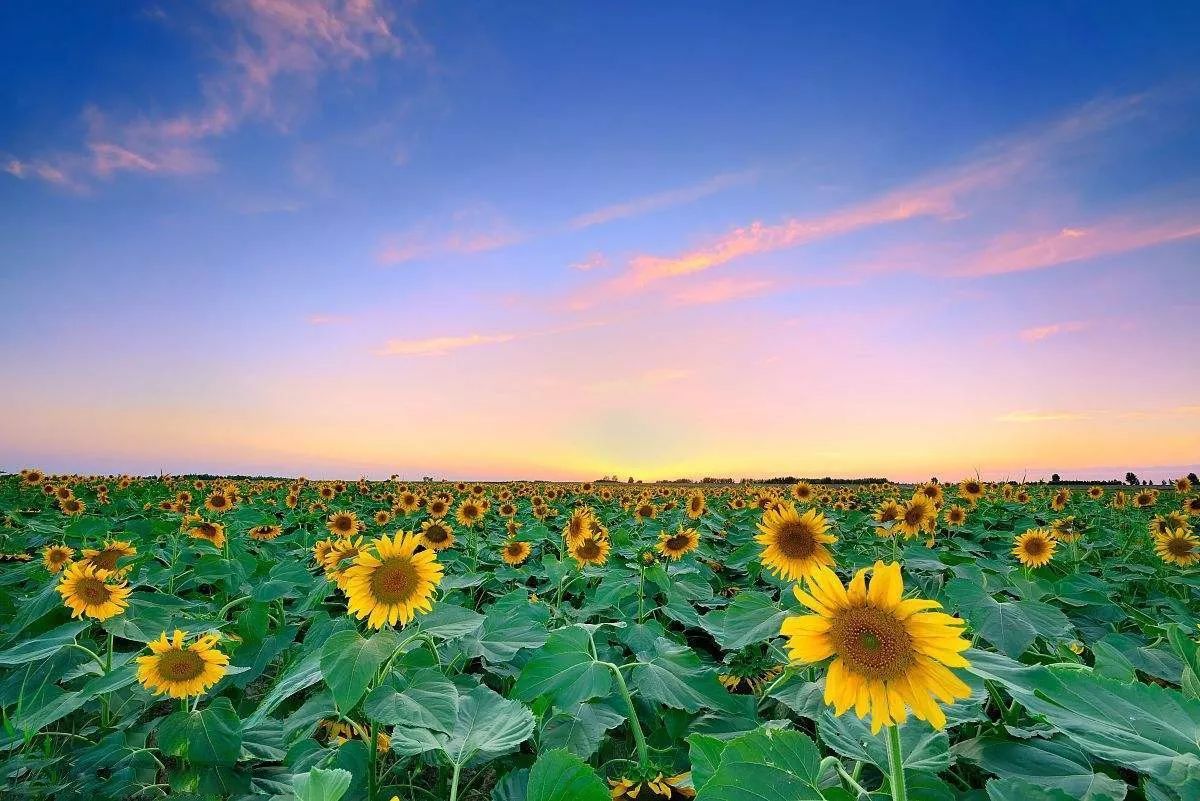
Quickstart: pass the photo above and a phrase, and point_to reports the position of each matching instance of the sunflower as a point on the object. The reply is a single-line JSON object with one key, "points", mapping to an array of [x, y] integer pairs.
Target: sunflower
{"points": [[178, 670], [1095, 493], [213, 532], [507, 509], [106, 558], [437, 535], [696, 505], [437, 507], [1066, 529], [469, 512], [645, 511], [666, 788], [887, 512], [579, 526], [515, 552], [32, 476], [340, 551], [971, 489], [1022, 496], [889, 653], [794, 543], [265, 533], [1161, 524], [933, 491], [391, 581], [87, 591], [342, 524], [72, 506], [1035, 547], [1178, 547], [1183, 485], [408, 502], [56, 557], [917, 515], [1060, 500], [956, 516], [803, 492], [383, 517], [590, 550], [218, 502], [751, 684], [1145, 499], [1191, 506], [678, 544]]}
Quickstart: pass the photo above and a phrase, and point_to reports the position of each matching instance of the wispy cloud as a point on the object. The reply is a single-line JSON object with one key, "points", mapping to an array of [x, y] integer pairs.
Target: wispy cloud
{"points": [[721, 291], [594, 261], [663, 200], [475, 229], [1041, 332], [327, 319], [440, 346]]}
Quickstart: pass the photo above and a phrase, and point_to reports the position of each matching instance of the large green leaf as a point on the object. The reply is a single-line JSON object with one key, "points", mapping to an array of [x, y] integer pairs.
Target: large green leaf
{"points": [[43, 645], [1017, 790], [561, 776], [321, 785], [1046, 763], [766, 764], [486, 726], [564, 671], [349, 662], [209, 736], [1011, 626], [751, 617], [674, 677], [579, 729], [423, 698], [924, 748], [510, 624]]}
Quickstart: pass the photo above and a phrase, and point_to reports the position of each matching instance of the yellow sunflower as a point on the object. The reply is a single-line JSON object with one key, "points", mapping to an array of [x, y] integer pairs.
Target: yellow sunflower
{"points": [[917, 515], [265, 533], [87, 590], [1183, 485], [1060, 500], [933, 491], [408, 502], [107, 557], [590, 550], [1119, 499], [437, 535], [218, 502], [580, 525], [888, 512], [72, 506], [1095, 493], [803, 492], [213, 532], [678, 544], [469, 512], [1178, 547], [663, 788], [1160, 524], [970, 489], [1191, 506], [391, 581], [1035, 547], [890, 655], [956, 516], [56, 557], [342, 524], [515, 552], [696, 505], [437, 507], [794, 543], [179, 670]]}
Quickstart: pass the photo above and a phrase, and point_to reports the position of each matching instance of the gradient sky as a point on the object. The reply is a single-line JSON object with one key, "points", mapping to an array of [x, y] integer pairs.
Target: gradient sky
{"points": [[558, 240]]}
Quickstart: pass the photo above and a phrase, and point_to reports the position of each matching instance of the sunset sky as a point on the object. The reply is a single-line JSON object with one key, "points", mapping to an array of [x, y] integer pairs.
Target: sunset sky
{"points": [[562, 240]]}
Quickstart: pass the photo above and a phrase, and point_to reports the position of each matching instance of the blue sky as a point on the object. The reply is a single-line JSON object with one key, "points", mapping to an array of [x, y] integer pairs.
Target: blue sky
{"points": [[503, 239]]}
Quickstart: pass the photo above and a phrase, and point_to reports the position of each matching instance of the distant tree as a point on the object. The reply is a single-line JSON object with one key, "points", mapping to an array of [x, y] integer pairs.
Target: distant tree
{"points": [[631, 479], [1054, 479], [1131, 479], [1192, 478]]}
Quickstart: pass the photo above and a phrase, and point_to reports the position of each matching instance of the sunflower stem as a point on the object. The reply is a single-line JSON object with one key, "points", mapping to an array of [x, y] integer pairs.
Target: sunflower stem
{"points": [[372, 762], [453, 782], [896, 765], [634, 724]]}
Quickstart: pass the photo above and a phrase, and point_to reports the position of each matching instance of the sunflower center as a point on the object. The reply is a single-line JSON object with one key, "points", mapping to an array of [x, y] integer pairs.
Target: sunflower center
{"points": [[889, 514], [1178, 546], [797, 540], [589, 549], [106, 559], [395, 581], [972, 488], [678, 542], [435, 534], [913, 515], [1035, 546], [342, 523], [180, 664], [470, 512], [872, 642], [92, 591]]}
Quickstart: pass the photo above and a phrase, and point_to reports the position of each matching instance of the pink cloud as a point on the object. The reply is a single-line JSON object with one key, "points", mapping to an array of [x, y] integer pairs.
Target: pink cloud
{"points": [[440, 346], [477, 229], [1042, 332], [721, 291], [663, 200], [594, 261], [326, 319]]}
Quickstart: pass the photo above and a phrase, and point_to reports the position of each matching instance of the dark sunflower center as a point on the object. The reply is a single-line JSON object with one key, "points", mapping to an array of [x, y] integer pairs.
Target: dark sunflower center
{"points": [[470, 511], [58, 556], [436, 534], [208, 530], [644, 511], [106, 559], [515, 549], [678, 542], [218, 500], [395, 581], [343, 523], [972, 488], [913, 515], [872, 642], [889, 514], [92, 591], [589, 549], [797, 539], [1035, 546], [179, 664], [1178, 546]]}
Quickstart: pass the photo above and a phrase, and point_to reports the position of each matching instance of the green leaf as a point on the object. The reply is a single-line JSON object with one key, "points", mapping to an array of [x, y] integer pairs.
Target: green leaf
{"points": [[510, 624], [924, 748], [1046, 763], [424, 698], [447, 621], [564, 670], [1011, 626], [751, 617], [43, 645], [349, 662], [488, 726], [673, 676], [209, 736], [561, 776], [766, 764], [705, 755], [300, 676], [321, 785], [1016, 790], [580, 729]]}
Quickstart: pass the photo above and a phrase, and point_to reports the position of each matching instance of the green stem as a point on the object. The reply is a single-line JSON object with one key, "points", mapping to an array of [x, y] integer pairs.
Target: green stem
{"points": [[372, 761], [896, 765], [634, 724], [453, 782]]}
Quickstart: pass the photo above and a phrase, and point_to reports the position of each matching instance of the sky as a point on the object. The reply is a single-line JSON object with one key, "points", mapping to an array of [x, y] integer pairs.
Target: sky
{"points": [[563, 240]]}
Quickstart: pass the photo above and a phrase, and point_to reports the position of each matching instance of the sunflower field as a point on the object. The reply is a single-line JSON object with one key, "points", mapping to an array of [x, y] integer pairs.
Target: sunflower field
{"points": [[251, 638]]}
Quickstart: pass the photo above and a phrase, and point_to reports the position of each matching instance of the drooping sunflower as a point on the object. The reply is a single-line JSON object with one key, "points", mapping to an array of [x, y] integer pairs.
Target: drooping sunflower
{"points": [[971, 489], [205, 530], [1179, 547], [590, 550], [1022, 496], [469, 512], [1035, 547], [956, 516], [918, 514], [515, 552], [1145, 499], [579, 525], [391, 581], [751, 684], [1191, 506], [794, 543], [1066, 529], [437, 535], [1160, 524], [1183, 485], [89, 591], [696, 505], [1119, 499], [888, 512], [72, 506], [890, 655], [645, 511], [675, 545], [340, 556], [342, 524], [1060, 500], [265, 533], [178, 669], [107, 557], [666, 788], [56, 557]]}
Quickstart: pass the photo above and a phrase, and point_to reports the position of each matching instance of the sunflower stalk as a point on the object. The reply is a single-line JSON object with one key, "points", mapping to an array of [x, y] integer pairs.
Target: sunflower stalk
{"points": [[896, 765], [635, 725]]}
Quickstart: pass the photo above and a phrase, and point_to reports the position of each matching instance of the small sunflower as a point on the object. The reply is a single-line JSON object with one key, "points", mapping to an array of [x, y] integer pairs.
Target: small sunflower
{"points": [[971, 489], [342, 524], [72, 507], [408, 502], [888, 512], [677, 544], [1095, 493], [180, 670], [956, 516], [580, 525], [218, 501], [794, 543], [933, 491], [889, 654], [1066, 529], [803, 492], [56, 557], [1035, 547], [1160, 524], [1183, 485], [205, 530], [1119, 499], [107, 557], [437, 507], [917, 515], [87, 590], [437, 535], [1191, 506], [265, 533], [1060, 500], [1145, 499], [696, 505], [469, 512], [382, 517], [1179, 547], [515, 552], [590, 550], [391, 581]]}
